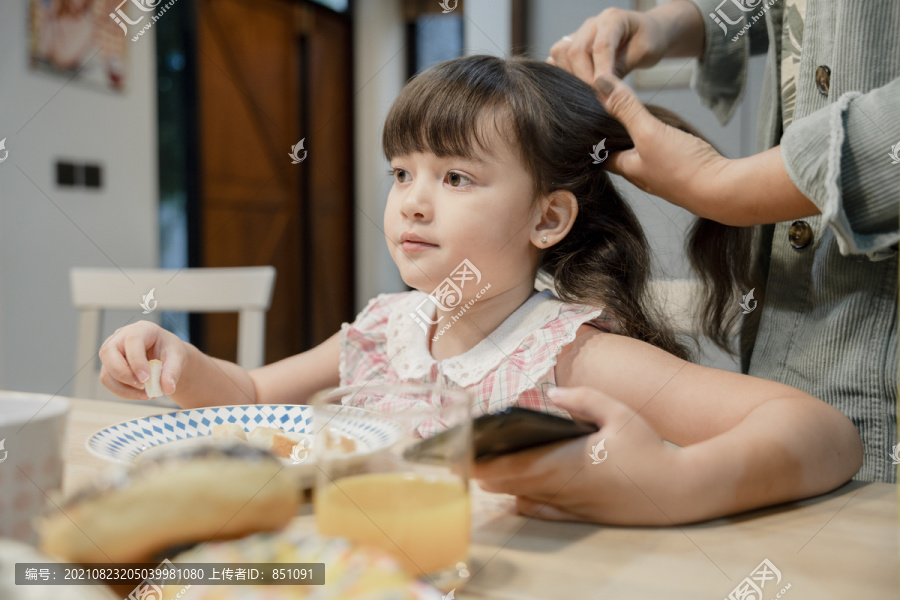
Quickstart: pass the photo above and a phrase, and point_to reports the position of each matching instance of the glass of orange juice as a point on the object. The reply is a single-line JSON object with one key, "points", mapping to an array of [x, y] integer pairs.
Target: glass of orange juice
{"points": [[394, 464]]}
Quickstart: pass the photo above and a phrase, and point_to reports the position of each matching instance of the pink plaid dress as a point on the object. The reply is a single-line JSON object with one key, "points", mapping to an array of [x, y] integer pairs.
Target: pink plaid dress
{"points": [[514, 365]]}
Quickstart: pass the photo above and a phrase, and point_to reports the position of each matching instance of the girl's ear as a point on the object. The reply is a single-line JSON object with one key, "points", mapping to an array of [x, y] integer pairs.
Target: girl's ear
{"points": [[558, 210]]}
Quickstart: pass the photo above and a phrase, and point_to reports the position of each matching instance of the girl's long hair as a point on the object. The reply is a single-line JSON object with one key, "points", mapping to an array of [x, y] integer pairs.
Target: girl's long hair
{"points": [[555, 120]]}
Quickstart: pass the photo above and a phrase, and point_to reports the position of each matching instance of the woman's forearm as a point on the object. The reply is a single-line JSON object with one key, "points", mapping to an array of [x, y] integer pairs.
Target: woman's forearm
{"points": [[755, 190], [785, 449]]}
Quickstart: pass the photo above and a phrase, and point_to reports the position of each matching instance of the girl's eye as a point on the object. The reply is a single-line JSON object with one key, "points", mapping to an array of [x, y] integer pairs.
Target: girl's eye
{"points": [[456, 179], [398, 174]]}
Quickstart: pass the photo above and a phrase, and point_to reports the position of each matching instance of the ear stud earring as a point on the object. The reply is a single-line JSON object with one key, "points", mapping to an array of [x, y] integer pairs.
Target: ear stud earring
{"points": [[544, 240]]}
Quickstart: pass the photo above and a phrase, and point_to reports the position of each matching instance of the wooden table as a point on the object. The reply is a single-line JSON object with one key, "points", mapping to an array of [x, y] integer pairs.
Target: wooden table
{"points": [[839, 545]]}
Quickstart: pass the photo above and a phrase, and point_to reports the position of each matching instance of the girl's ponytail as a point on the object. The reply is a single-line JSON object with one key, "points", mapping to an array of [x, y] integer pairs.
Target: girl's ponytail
{"points": [[720, 254]]}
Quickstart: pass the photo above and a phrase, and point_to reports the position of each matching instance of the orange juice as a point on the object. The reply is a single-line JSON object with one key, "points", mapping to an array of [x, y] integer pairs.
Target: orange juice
{"points": [[423, 521]]}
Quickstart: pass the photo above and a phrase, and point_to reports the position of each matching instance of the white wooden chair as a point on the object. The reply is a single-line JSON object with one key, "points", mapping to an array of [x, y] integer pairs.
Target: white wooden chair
{"points": [[244, 290], [676, 298]]}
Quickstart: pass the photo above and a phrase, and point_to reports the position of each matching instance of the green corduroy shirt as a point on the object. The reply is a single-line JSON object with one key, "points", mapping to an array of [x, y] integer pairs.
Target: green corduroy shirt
{"points": [[827, 323]]}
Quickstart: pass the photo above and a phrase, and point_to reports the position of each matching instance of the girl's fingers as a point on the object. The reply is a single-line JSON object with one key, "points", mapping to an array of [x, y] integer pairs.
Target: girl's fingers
{"points": [[172, 364], [116, 366], [136, 354], [118, 388]]}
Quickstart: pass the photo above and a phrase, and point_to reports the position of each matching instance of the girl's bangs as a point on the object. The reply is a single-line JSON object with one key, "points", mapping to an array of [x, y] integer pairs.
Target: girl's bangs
{"points": [[446, 111]]}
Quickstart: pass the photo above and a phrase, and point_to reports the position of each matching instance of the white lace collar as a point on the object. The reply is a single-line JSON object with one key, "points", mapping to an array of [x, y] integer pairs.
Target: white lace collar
{"points": [[407, 344]]}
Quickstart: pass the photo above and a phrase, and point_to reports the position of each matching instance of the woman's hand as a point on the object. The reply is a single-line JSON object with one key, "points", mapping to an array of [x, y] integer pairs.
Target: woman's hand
{"points": [[618, 41], [125, 355], [689, 173], [623, 474]]}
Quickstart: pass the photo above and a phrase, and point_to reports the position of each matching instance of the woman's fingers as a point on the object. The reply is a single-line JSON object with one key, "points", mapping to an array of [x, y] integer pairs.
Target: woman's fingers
{"points": [[613, 42], [543, 510], [621, 102], [613, 32], [559, 53], [579, 55], [589, 405]]}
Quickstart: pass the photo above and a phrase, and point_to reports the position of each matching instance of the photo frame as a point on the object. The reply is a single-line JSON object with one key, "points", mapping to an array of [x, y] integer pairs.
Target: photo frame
{"points": [[76, 39]]}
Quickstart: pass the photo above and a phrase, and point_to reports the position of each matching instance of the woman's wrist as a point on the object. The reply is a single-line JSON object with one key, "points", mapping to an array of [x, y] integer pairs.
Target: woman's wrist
{"points": [[755, 190], [682, 25]]}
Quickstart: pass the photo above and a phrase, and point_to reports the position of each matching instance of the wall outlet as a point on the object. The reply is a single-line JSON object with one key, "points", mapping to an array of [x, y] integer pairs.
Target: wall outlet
{"points": [[71, 174]]}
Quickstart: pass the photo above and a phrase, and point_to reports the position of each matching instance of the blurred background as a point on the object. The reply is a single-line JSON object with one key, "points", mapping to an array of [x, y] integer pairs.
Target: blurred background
{"points": [[159, 134]]}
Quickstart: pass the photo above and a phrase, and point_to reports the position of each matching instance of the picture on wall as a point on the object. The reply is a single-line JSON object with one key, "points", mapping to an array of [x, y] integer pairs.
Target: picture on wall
{"points": [[78, 39]]}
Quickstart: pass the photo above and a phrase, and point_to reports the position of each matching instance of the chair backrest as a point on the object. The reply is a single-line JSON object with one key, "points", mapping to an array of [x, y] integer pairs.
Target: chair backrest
{"points": [[244, 290], [676, 298]]}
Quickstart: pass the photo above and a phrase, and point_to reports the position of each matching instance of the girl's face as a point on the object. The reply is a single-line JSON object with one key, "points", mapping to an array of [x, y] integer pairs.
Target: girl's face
{"points": [[442, 211]]}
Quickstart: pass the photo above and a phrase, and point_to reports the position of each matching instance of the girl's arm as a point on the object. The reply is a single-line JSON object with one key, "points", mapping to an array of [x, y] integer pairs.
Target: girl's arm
{"points": [[293, 380], [211, 381], [193, 379], [746, 442]]}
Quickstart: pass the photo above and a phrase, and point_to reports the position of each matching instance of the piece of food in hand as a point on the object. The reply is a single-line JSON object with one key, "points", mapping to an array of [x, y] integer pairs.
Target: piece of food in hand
{"points": [[228, 433], [277, 441], [153, 387], [174, 499], [350, 571]]}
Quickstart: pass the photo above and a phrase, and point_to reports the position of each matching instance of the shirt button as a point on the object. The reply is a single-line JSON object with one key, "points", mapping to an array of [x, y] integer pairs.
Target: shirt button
{"points": [[823, 79], [800, 235]]}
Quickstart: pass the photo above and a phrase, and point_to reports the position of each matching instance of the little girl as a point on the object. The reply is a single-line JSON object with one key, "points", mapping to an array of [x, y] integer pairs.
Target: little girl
{"points": [[497, 168]]}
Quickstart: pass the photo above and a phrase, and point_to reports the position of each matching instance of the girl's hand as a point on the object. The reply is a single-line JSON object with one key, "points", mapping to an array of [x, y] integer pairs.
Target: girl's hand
{"points": [[618, 41], [125, 355], [623, 474]]}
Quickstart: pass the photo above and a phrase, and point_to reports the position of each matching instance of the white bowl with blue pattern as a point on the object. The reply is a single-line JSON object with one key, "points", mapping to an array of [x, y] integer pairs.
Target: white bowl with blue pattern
{"points": [[142, 438]]}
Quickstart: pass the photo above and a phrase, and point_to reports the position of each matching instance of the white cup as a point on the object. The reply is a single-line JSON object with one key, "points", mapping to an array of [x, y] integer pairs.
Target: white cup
{"points": [[31, 435]]}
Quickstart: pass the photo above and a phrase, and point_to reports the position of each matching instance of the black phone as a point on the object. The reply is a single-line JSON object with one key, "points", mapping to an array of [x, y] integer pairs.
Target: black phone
{"points": [[504, 432]]}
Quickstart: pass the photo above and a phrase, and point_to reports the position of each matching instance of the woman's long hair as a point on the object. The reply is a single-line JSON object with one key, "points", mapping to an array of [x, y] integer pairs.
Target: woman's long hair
{"points": [[555, 120]]}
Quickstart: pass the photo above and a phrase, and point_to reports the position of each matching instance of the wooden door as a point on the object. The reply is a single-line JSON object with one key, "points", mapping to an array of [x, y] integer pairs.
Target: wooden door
{"points": [[270, 73]]}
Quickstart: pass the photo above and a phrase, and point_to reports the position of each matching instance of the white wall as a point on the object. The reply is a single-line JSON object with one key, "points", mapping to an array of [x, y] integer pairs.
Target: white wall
{"points": [[487, 28], [379, 57], [44, 119]]}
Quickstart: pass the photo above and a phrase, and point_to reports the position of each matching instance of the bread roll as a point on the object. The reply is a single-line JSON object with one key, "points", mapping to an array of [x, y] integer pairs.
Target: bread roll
{"points": [[228, 433], [278, 442], [174, 499]]}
